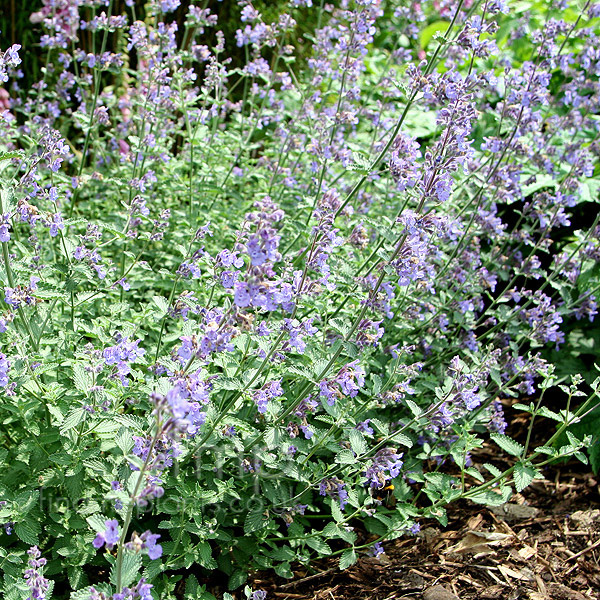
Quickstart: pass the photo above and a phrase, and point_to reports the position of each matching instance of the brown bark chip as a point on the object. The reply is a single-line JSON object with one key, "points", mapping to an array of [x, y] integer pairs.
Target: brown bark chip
{"points": [[558, 591], [437, 592]]}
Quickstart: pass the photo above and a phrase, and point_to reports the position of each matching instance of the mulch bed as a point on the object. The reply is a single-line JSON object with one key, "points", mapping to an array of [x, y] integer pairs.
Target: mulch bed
{"points": [[544, 545]]}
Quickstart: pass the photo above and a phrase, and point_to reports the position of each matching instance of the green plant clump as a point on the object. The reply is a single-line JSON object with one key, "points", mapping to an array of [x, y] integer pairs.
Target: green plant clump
{"points": [[252, 283]]}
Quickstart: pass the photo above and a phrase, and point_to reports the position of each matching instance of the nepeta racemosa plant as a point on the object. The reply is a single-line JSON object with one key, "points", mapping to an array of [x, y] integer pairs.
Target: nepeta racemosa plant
{"points": [[246, 288]]}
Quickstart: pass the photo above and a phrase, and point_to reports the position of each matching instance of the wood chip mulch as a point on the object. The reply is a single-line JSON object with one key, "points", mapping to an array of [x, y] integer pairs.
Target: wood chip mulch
{"points": [[544, 545]]}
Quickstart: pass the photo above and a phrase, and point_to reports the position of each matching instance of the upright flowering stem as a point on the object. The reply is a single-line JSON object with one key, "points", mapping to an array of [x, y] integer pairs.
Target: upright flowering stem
{"points": [[378, 160], [133, 504], [11, 283], [364, 308]]}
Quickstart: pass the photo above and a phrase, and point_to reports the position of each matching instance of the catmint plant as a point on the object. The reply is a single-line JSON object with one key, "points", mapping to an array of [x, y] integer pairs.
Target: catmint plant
{"points": [[259, 267]]}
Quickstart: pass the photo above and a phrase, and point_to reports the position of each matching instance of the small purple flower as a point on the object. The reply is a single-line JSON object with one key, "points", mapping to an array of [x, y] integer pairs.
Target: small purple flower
{"points": [[385, 460], [347, 382], [4, 368], [268, 392], [147, 541], [5, 228], [169, 5], [110, 536], [121, 355], [334, 488], [56, 225], [376, 550], [365, 427]]}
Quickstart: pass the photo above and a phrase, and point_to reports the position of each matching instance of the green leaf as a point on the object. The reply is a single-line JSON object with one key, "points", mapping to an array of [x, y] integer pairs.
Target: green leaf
{"points": [[11, 154], [336, 512], [237, 579], [284, 570], [508, 444], [345, 457], [255, 520], [414, 408], [28, 532], [427, 34], [161, 303], [473, 472], [73, 419], [191, 588], [492, 498], [524, 475], [85, 593], [153, 569], [205, 556], [124, 440], [347, 559], [357, 442], [272, 437], [81, 378], [495, 471], [400, 438], [132, 562], [319, 545], [97, 522]]}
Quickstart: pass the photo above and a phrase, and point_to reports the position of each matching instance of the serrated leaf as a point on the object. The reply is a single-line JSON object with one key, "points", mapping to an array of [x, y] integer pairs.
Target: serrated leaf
{"points": [[86, 593], [82, 378], [507, 444], [549, 414], [357, 442], [124, 440], [192, 591], [27, 533], [473, 472], [523, 475], [97, 522], [400, 438], [132, 562], [336, 512], [205, 556], [319, 545], [415, 409], [161, 303], [11, 154], [272, 437], [73, 419], [495, 471], [284, 570], [492, 498], [228, 383], [237, 579], [153, 569], [347, 558], [255, 520], [345, 457]]}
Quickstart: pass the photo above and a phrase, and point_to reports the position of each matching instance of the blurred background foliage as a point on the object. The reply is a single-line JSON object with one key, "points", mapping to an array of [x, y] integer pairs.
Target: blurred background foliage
{"points": [[17, 28]]}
